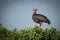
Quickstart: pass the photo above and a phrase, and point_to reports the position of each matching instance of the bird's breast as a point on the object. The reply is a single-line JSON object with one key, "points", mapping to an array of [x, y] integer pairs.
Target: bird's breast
{"points": [[35, 19]]}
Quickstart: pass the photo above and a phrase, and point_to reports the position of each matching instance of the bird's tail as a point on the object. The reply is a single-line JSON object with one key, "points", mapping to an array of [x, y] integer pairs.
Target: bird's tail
{"points": [[48, 21]]}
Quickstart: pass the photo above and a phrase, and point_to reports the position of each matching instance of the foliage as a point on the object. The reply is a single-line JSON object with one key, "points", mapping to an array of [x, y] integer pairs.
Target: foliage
{"points": [[35, 33]]}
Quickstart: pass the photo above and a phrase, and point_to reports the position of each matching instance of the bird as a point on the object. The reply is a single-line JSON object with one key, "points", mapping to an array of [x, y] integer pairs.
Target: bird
{"points": [[39, 18]]}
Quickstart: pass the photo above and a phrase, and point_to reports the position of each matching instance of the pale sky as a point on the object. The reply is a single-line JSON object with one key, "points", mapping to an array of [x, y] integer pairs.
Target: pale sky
{"points": [[18, 13]]}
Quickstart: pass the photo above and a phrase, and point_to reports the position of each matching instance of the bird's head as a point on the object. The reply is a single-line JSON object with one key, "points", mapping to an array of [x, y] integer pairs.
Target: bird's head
{"points": [[34, 10]]}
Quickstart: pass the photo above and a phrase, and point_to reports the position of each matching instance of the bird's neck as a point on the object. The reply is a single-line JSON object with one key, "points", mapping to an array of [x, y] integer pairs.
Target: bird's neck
{"points": [[34, 13]]}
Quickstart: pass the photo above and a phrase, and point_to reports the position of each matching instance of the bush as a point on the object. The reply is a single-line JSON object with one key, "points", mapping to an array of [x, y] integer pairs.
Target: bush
{"points": [[35, 33]]}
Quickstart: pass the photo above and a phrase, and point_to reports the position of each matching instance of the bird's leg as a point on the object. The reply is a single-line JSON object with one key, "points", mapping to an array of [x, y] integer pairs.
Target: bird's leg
{"points": [[40, 24]]}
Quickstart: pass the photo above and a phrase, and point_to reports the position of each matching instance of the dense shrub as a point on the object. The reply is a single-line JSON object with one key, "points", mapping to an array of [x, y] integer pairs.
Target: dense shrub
{"points": [[35, 33]]}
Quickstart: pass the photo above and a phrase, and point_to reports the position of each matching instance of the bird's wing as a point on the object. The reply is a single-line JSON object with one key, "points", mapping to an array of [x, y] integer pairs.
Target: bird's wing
{"points": [[40, 17]]}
